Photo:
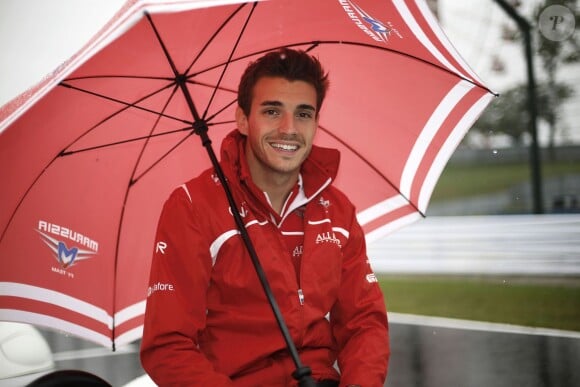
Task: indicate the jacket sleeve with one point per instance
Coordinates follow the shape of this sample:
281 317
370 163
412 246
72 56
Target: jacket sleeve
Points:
359 318
176 301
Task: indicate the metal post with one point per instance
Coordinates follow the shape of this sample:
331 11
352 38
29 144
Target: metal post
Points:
535 162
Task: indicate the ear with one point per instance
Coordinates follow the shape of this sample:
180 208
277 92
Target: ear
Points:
242 121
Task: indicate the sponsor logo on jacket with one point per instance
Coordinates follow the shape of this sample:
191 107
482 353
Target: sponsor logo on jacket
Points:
327 237
243 211
371 278
160 247
298 251
159 287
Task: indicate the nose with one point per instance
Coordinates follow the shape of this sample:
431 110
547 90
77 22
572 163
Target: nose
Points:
287 124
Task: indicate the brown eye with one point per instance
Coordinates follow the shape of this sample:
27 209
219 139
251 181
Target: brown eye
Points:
270 112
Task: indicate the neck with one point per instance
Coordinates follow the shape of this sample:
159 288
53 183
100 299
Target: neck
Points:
278 187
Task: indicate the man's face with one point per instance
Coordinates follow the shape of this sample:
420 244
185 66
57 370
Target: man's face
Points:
280 128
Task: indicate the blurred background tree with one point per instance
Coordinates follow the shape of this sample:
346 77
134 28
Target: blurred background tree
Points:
509 113
552 55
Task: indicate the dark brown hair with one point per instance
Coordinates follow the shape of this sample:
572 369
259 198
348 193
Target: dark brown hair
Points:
293 65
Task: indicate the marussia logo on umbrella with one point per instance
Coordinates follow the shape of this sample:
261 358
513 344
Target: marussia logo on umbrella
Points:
52 234
377 30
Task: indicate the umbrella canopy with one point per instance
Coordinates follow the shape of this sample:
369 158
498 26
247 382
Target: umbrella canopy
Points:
89 155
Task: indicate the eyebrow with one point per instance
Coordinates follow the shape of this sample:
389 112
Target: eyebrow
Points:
303 106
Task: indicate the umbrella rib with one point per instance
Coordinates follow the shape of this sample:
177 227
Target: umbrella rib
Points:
371 166
125 107
149 136
22 200
180 79
368 45
209 85
226 65
208 119
101 76
234 92
128 105
135 179
242 57
163 47
212 38
98 124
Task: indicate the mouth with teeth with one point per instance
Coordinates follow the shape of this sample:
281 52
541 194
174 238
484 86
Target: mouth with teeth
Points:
284 147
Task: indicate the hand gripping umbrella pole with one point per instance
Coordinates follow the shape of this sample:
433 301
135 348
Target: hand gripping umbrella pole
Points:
302 373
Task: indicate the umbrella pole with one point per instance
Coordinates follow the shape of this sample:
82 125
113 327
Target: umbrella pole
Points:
302 373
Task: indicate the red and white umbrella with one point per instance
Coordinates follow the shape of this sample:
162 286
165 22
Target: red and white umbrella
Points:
89 155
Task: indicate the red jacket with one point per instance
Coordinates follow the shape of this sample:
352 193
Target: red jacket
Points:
208 322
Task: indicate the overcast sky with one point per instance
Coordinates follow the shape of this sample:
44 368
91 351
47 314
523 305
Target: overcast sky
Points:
36 36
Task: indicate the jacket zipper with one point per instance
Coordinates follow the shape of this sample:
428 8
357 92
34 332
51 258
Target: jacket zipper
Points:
301 296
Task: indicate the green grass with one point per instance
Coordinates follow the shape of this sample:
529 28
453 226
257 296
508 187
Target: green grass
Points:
533 302
459 181
528 301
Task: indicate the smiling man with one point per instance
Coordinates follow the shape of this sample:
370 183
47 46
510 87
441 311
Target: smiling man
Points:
212 324
280 126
